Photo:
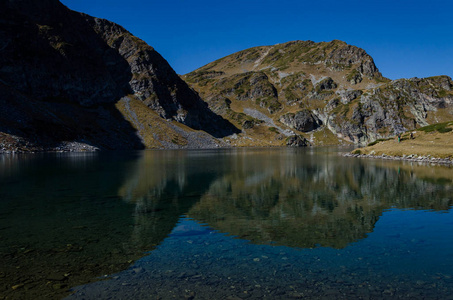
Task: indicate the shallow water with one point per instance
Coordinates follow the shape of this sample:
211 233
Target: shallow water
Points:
224 224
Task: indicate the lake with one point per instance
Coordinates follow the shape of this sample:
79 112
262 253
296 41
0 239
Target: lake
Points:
224 224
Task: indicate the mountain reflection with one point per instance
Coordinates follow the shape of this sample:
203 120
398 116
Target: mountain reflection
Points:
301 200
163 186
292 197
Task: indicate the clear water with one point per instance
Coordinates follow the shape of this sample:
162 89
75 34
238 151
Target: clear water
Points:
224 224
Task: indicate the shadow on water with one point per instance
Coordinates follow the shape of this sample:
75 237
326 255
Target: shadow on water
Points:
67 220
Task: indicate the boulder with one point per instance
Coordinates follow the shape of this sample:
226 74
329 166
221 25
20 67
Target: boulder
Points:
303 120
297 141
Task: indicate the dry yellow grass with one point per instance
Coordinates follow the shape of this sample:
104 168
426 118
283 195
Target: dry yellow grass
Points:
152 128
325 137
258 136
434 144
440 115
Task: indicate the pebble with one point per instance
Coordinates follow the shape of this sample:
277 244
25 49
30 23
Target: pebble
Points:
138 270
58 286
17 286
189 295
388 292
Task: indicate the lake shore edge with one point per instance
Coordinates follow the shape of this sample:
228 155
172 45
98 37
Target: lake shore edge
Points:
411 158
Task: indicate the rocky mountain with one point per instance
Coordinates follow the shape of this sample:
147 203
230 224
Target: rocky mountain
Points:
72 81
302 92
69 81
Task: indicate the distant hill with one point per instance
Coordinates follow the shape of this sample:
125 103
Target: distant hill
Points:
317 93
69 81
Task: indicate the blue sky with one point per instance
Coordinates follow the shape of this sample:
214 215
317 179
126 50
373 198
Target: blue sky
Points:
405 38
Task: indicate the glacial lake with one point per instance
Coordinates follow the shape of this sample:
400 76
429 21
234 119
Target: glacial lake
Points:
224 224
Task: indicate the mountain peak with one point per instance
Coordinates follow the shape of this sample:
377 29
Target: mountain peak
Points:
296 56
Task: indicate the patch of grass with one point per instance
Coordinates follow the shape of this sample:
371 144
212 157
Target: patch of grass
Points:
342 109
241 118
240 91
151 127
442 93
273 129
440 127
44 29
378 141
270 103
138 42
444 130
358 152
290 96
354 75
382 80
323 136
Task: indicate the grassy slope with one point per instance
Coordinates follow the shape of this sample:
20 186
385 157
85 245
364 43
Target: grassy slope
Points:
158 133
434 140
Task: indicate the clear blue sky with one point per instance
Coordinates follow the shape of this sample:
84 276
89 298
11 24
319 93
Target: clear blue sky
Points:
405 38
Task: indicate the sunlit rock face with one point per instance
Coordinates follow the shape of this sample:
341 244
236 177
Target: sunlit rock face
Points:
329 92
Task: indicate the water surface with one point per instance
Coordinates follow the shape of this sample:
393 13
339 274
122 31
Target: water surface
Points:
224 224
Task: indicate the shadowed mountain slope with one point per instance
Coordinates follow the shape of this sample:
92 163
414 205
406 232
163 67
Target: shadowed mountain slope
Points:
67 77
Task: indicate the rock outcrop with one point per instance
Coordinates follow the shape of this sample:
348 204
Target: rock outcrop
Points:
393 108
297 141
303 120
67 77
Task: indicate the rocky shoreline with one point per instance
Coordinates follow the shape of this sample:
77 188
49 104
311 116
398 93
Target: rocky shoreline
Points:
412 158
62 147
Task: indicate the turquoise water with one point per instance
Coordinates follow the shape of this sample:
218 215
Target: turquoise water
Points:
224 224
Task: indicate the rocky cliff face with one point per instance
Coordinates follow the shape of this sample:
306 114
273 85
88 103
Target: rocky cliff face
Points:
67 77
328 93
392 108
